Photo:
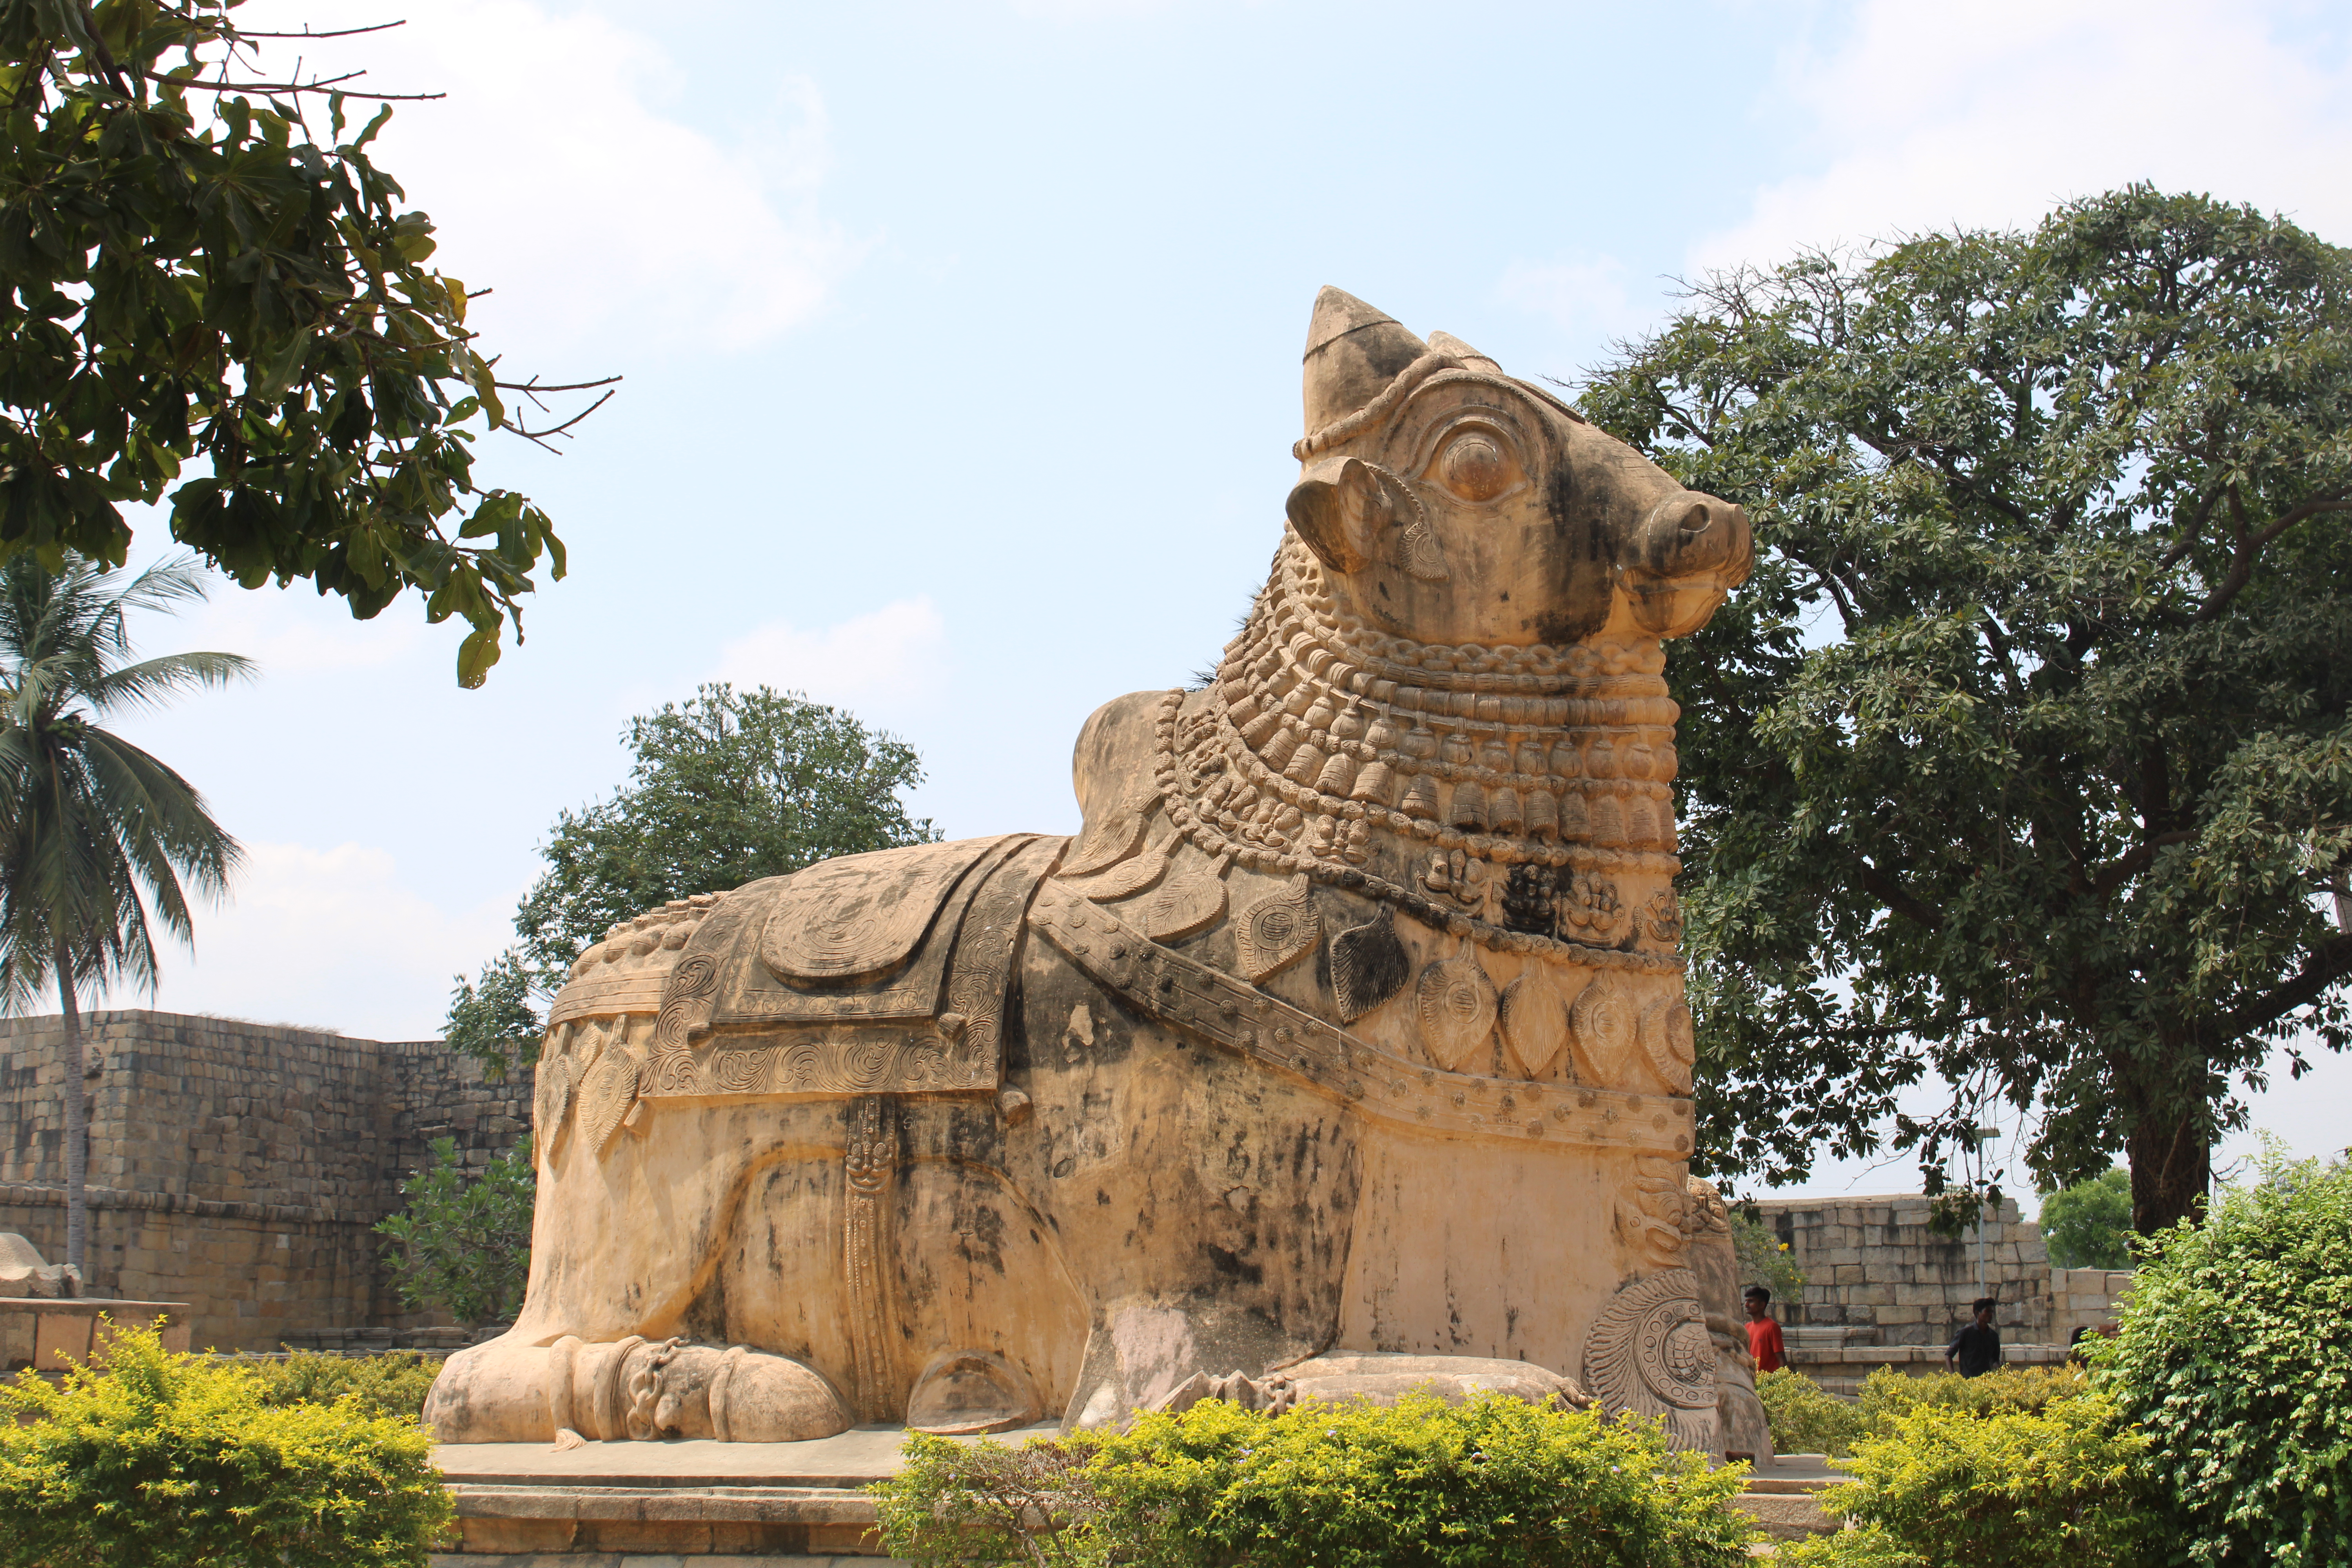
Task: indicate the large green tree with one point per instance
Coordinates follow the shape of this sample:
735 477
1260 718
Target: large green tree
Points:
727 787
194 274
93 830
2024 759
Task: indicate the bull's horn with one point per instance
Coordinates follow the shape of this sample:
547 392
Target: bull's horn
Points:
1353 351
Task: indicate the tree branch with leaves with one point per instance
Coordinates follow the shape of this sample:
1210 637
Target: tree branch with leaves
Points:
2026 755
211 297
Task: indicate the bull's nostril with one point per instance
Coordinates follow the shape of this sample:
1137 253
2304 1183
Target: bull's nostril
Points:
1694 520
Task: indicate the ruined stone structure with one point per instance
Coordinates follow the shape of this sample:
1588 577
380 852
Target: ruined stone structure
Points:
1876 1273
1352 1023
1875 1266
238 1167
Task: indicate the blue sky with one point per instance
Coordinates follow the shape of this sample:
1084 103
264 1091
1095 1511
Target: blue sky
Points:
962 348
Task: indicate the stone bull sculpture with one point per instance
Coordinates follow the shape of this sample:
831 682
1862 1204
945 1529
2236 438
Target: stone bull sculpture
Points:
1352 1022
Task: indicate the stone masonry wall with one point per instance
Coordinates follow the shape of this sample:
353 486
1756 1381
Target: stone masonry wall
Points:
2086 1298
238 1167
1872 1263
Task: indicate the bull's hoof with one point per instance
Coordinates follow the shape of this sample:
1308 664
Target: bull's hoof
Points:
970 1391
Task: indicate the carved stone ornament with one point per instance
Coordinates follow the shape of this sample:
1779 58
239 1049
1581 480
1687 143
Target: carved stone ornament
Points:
1382 1085
1369 965
1111 837
1130 876
1652 1210
1603 1025
1190 898
1662 918
863 914
1668 1043
1534 1018
1277 931
1649 1351
609 1096
1457 1006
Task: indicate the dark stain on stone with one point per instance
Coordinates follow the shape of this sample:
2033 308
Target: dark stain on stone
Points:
1232 1265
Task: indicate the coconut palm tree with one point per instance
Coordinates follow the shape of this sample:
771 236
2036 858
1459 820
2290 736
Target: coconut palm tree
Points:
93 830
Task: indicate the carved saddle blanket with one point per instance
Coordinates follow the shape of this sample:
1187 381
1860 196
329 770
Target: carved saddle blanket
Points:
875 973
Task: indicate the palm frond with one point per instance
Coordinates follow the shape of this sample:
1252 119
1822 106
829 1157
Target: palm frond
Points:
162 822
94 830
152 682
166 585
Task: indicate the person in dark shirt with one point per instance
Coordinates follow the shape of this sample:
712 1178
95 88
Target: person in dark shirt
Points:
1763 1334
1975 1349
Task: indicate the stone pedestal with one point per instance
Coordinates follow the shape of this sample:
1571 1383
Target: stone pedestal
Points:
648 1505
52 1335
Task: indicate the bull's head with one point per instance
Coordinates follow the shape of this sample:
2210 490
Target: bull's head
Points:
1451 503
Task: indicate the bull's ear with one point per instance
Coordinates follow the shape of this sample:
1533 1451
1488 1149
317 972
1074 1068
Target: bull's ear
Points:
1338 507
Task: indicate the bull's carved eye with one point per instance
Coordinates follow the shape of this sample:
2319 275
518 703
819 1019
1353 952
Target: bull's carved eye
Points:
1476 464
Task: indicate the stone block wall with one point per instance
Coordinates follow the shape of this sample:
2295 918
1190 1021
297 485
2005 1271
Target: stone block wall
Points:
2086 1298
1874 1264
238 1167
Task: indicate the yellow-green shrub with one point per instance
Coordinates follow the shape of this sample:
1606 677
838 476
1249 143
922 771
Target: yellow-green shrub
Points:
1492 1481
1805 1420
394 1384
1888 1393
152 1460
2060 1486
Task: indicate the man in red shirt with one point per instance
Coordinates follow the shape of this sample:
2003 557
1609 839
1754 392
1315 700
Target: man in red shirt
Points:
1763 1334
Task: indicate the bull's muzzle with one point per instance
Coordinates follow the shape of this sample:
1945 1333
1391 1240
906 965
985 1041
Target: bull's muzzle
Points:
1691 551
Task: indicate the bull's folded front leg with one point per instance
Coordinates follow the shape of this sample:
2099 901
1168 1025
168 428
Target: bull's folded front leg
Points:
572 1391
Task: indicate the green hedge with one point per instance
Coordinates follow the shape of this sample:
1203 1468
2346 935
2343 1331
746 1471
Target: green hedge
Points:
1489 1483
154 1459
1805 1420
394 1384
2235 1356
2065 1485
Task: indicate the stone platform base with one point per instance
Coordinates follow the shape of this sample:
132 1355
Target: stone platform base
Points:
49 1334
696 1500
714 1505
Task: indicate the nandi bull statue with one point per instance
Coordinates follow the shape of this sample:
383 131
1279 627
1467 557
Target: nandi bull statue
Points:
1352 1022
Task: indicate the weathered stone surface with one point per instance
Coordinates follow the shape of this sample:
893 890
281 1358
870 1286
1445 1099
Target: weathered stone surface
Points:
238 1167
1352 1022
24 1274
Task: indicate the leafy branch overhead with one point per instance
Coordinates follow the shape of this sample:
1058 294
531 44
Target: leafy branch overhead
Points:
193 280
2025 758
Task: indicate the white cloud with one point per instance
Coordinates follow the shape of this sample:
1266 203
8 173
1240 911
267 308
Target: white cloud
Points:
892 656
289 634
1927 116
1585 297
557 175
328 939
